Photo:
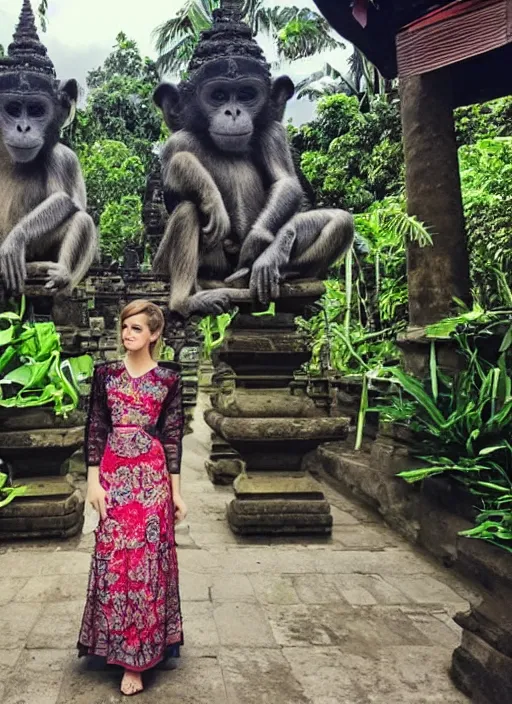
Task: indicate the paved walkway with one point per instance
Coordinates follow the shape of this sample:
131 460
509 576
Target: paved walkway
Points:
363 618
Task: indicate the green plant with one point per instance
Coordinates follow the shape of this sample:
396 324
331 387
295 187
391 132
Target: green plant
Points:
352 157
213 329
296 33
462 424
484 120
31 370
121 224
111 172
360 316
9 493
119 104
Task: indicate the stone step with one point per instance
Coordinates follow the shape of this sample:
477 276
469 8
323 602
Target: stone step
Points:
44 487
283 506
36 532
278 523
277 485
277 429
42 439
267 403
47 506
278 503
40 525
51 507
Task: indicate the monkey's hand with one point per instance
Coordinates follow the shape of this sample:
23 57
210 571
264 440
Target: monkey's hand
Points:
58 276
265 277
13 267
218 225
212 302
256 242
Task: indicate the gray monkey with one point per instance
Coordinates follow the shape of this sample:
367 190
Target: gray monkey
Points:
43 218
229 179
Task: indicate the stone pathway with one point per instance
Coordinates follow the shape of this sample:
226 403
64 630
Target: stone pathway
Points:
363 618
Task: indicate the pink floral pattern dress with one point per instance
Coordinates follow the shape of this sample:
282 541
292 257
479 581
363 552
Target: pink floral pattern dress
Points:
134 431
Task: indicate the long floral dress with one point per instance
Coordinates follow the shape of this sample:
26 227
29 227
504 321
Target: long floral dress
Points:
134 433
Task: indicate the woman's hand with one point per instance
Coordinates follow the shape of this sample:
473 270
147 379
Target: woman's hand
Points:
96 496
180 508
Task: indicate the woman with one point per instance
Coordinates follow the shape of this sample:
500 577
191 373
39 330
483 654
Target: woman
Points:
133 445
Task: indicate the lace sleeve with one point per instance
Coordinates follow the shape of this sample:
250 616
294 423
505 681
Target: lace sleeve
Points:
98 420
170 425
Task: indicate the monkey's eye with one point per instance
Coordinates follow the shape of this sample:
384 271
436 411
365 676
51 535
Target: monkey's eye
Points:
219 95
36 109
13 108
247 94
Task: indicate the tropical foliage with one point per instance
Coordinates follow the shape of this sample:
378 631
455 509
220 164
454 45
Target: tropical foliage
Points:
352 158
9 493
462 424
486 170
362 81
296 33
119 103
112 172
363 311
32 372
115 137
121 224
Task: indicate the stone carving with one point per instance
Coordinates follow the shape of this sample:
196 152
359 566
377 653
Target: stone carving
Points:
45 230
229 180
154 214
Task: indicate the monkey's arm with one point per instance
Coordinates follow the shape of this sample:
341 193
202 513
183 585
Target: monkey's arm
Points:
41 229
78 246
284 200
39 224
285 194
185 174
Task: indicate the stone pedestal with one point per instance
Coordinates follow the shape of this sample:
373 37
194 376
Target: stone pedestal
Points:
279 504
265 420
36 446
50 508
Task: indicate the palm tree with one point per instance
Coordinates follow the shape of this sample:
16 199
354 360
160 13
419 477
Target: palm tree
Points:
363 80
42 9
316 86
297 33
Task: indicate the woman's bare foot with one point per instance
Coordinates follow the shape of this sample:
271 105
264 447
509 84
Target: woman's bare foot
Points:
132 682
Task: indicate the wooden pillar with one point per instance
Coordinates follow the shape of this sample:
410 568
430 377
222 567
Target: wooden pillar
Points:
435 274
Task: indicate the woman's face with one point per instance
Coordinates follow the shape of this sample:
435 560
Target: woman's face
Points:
136 334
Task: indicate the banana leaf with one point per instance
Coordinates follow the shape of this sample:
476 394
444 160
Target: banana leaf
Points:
41 377
9 493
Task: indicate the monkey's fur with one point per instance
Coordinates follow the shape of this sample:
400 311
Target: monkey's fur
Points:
232 190
43 219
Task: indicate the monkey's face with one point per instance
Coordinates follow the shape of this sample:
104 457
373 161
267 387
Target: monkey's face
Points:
232 107
24 122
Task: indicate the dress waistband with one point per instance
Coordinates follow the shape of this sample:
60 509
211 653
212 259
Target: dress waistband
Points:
150 429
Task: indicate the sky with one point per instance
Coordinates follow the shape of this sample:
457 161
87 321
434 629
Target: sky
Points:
81 34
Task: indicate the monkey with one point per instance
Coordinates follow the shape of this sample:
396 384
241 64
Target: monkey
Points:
44 226
230 184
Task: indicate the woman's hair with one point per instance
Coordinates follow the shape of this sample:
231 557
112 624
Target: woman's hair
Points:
155 321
